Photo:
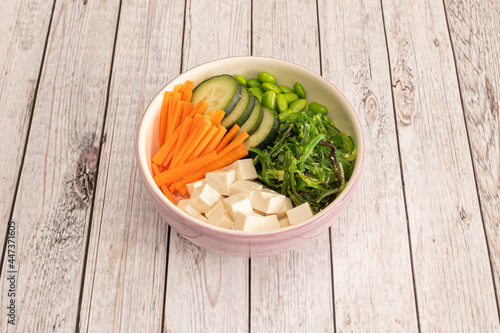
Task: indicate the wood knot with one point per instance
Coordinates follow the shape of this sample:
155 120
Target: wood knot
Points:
404 93
462 214
436 42
85 173
371 106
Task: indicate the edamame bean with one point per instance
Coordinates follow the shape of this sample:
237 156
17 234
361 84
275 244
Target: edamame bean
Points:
269 99
253 83
298 105
291 97
266 86
285 89
257 92
266 77
241 80
281 103
317 108
299 90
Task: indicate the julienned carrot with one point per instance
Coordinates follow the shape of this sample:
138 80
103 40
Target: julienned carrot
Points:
228 137
198 136
177 114
234 144
182 145
179 87
184 190
164 117
185 130
221 130
198 109
188 109
203 143
218 164
218 117
167 146
174 96
211 115
177 173
186 95
188 85
164 189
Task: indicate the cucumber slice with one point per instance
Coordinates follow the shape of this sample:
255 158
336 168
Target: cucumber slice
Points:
221 92
254 120
241 111
266 132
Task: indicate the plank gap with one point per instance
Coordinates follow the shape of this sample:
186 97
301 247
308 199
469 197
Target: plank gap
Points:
401 166
165 284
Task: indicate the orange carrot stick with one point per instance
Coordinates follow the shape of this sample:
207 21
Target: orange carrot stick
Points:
221 130
164 116
193 143
167 146
199 108
187 168
187 110
218 164
174 96
203 143
218 118
164 189
178 87
234 144
228 137
185 130
178 113
186 95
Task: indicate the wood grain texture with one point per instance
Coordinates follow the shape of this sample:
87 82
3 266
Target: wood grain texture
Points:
291 292
53 202
453 278
23 27
207 292
474 28
125 274
370 246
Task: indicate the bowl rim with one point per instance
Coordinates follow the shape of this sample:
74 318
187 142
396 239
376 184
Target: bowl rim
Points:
161 199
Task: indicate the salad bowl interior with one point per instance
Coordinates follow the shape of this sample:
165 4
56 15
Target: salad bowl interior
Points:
244 243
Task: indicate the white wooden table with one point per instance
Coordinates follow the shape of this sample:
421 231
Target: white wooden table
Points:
417 249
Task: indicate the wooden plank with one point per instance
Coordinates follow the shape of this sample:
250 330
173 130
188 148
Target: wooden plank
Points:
24 28
53 203
125 274
372 267
453 278
474 29
292 291
207 292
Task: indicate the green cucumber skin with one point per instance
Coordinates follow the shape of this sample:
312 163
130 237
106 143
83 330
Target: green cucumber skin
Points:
248 111
232 103
238 112
255 140
272 134
259 120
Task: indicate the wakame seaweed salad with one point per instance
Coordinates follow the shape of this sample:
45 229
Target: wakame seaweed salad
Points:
310 160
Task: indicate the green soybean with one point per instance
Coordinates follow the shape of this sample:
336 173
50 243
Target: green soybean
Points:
269 99
290 97
253 83
298 105
266 77
285 89
288 115
318 108
241 80
281 103
299 90
257 92
266 86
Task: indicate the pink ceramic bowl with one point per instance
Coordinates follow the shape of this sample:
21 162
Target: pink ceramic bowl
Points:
235 242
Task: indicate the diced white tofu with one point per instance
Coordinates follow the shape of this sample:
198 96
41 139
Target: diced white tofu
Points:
221 218
221 179
218 204
284 222
183 203
204 197
271 223
245 187
244 169
193 185
288 205
237 203
202 218
192 211
299 214
249 221
268 201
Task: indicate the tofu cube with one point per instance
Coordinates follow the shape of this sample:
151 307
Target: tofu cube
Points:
284 221
183 203
271 223
245 169
249 221
268 201
193 185
218 204
221 179
288 205
221 219
186 205
204 197
244 187
299 214
237 203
